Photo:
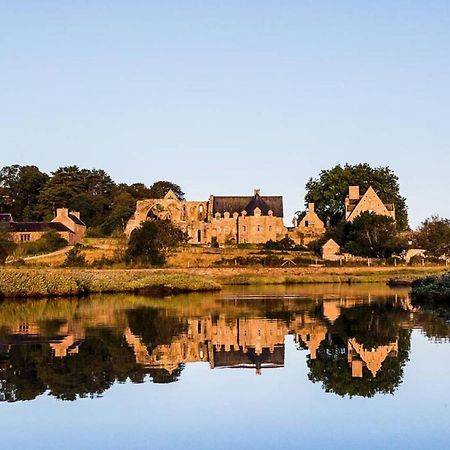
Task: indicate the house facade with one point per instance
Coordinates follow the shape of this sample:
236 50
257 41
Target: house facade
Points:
67 224
309 228
356 204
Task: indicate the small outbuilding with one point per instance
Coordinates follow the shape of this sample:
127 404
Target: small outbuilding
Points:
331 250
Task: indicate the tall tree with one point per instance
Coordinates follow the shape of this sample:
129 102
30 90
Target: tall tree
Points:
161 188
19 190
374 236
87 191
329 189
434 236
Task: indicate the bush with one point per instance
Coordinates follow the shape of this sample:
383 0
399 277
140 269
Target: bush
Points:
285 244
75 257
432 289
50 241
151 243
7 246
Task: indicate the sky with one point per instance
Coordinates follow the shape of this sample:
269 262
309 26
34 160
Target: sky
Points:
222 97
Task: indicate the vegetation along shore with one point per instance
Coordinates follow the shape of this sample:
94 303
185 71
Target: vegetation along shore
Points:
18 282
432 290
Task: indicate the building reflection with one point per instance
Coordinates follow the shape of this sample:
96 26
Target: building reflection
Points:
356 345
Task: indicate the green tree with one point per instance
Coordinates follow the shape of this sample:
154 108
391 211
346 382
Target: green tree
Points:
123 206
19 190
138 190
434 236
374 236
161 188
329 189
87 191
151 242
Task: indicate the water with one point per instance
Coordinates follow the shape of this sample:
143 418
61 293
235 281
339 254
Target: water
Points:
255 368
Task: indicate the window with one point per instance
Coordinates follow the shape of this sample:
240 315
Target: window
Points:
259 227
25 237
306 224
244 228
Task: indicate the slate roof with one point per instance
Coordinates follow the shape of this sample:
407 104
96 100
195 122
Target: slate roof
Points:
249 359
6 217
30 227
76 219
238 204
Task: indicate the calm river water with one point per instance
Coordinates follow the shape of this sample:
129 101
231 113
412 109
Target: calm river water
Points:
251 368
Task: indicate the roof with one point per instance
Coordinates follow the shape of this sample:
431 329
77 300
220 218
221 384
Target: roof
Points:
76 219
30 227
331 243
354 207
249 359
6 217
248 204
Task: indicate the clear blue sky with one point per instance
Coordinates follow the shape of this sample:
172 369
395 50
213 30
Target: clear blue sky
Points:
225 96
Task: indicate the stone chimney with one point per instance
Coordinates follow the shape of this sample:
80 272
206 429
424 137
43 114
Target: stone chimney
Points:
62 212
311 207
257 191
353 192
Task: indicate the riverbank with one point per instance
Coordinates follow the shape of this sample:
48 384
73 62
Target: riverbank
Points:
22 283
432 290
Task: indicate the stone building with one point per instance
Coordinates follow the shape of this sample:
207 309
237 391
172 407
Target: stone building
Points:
67 224
223 219
331 250
309 228
356 204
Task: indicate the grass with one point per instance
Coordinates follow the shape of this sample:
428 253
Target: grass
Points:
59 282
23 282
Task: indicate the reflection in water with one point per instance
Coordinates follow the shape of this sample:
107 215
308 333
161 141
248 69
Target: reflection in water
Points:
358 339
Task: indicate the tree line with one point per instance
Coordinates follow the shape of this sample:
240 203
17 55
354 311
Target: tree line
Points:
32 195
105 206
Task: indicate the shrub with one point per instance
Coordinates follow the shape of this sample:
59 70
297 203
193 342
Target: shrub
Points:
75 257
432 289
151 243
7 246
285 244
49 242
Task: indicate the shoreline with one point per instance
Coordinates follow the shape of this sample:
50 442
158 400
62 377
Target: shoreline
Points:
44 283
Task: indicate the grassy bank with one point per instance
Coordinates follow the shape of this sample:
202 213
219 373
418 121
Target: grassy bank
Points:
54 283
23 282
432 290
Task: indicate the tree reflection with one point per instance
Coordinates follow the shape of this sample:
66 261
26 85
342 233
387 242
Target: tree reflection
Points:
81 348
364 352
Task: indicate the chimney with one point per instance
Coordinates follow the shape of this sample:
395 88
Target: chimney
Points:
62 212
353 192
311 207
257 191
